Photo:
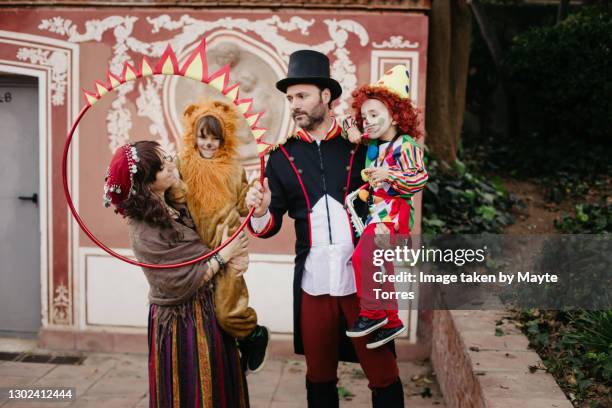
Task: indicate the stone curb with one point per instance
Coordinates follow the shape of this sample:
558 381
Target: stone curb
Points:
478 369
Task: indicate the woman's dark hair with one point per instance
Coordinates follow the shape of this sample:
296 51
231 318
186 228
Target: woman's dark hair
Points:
143 204
211 125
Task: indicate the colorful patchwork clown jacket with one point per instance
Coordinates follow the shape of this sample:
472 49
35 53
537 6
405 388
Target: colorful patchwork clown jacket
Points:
392 200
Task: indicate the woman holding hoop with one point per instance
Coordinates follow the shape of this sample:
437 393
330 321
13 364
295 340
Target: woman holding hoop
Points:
192 362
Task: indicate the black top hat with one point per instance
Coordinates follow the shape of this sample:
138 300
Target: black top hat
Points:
309 67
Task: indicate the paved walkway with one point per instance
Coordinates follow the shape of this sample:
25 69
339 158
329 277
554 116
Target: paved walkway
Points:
120 380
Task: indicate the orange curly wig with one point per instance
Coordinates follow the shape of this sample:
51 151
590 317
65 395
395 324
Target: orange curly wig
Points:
402 111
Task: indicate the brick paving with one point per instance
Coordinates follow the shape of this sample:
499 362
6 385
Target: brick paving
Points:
120 380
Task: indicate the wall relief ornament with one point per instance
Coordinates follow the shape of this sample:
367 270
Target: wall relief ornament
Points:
57 61
188 30
61 305
396 41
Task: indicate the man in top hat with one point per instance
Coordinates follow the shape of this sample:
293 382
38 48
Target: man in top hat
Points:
309 176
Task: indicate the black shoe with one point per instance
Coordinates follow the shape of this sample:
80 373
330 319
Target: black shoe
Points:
244 356
391 396
364 326
254 349
322 395
383 336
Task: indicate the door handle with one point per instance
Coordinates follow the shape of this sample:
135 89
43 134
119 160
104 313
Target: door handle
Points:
33 198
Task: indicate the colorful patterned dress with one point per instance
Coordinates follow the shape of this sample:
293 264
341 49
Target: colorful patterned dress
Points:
192 362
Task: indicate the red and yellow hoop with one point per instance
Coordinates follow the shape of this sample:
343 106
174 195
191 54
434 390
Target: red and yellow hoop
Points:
195 67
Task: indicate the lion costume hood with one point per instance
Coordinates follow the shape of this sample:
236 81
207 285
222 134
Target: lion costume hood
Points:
216 187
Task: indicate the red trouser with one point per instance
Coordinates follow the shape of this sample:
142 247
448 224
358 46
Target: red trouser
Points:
321 319
363 264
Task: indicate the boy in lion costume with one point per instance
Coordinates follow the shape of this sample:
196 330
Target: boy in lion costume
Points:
216 187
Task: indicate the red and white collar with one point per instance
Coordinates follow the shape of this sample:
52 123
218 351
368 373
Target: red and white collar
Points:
333 131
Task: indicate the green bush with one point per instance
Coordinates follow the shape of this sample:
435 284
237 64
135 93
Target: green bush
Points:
576 348
562 75
588 218
591 336
458 201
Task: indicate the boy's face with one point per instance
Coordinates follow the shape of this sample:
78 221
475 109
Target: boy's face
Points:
208 145
376 118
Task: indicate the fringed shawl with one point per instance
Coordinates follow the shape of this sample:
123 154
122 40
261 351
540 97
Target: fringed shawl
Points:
169 287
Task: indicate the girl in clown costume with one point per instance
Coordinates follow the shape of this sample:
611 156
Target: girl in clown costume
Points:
395 172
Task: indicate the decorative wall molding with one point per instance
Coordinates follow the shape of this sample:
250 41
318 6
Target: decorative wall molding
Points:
58 61
368 5
119 118
396 41
149 106
62 309
189 30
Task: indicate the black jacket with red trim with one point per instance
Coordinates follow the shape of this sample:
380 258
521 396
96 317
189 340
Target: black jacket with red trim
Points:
299 173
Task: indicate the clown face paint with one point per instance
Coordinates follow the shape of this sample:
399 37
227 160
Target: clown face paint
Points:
377 120
208 145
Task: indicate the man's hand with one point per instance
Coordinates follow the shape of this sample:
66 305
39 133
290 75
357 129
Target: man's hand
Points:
259 197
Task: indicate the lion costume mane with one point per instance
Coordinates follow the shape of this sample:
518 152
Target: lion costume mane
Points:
216 187
215 191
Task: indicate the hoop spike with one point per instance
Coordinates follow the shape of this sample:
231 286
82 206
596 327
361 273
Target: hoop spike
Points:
258 133
167 64
146 69
263 148
232 92
129 73
196 65
101 89
112 81
244 105
90 98
252 119
220 79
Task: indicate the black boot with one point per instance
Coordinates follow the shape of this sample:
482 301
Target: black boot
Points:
322 395
254 349
391 396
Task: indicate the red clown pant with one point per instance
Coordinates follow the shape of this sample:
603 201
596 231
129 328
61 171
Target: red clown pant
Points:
321 319
363 264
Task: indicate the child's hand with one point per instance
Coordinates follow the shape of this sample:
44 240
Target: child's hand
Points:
354 135
376 176
382 237
349 126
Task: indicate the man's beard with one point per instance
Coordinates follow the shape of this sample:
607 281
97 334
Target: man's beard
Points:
311 120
